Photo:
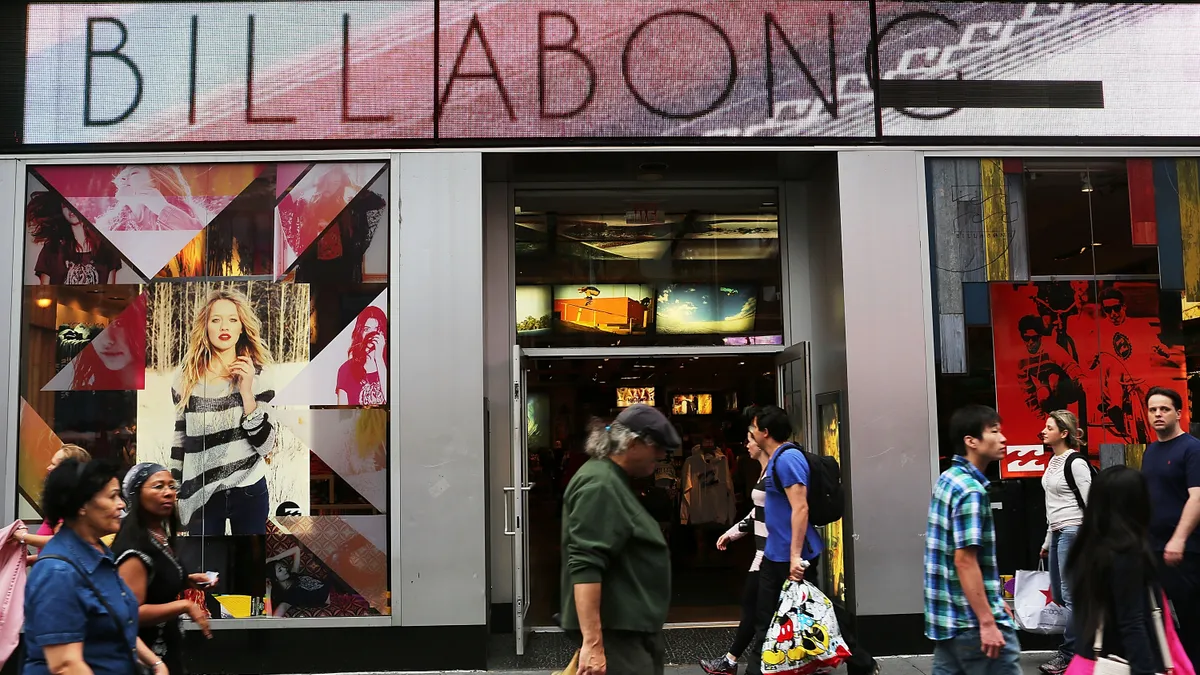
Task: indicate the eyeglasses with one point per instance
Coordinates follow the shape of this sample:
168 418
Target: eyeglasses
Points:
1111 309
1031 337
159 487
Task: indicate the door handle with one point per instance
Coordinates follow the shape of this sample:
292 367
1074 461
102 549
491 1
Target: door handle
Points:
528 486
508 532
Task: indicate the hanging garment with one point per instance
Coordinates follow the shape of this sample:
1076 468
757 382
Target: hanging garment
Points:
12 590
707 490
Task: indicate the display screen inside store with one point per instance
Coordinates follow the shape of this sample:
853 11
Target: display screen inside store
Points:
669 267
229 322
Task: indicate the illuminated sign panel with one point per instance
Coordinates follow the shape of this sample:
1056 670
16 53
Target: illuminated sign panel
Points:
167 72
495 69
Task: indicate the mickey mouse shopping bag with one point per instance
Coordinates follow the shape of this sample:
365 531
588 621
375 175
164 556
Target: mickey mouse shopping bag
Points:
804 636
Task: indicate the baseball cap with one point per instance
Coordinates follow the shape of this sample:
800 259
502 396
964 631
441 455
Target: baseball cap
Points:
649 423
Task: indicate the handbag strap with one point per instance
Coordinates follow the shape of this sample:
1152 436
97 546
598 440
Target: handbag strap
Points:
1164 648
99 596
1160 630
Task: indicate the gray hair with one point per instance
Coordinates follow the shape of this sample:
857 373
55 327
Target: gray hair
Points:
605 440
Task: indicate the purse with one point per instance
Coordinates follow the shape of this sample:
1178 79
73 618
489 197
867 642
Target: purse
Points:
1115 665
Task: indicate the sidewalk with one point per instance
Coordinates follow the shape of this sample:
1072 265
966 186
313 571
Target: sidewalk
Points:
889 665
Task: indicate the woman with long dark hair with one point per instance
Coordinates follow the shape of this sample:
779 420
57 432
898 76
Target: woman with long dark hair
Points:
362 379
1111 573
73 252
146 561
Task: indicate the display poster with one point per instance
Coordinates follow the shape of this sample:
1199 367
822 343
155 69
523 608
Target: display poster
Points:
829 419
1093 348
229 322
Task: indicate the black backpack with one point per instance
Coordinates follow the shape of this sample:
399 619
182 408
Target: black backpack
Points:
826 497
1070 476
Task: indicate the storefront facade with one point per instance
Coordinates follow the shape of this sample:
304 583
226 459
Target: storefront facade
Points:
337 172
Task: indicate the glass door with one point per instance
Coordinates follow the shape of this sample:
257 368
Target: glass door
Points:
519 492
794 380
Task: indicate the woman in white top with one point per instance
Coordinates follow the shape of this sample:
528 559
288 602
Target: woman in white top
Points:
1066 495
755 522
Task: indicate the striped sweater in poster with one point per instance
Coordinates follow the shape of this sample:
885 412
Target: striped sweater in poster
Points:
216 447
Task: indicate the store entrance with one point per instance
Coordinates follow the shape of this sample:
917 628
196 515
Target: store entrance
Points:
704 398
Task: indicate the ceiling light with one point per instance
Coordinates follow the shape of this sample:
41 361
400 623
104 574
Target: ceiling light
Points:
44 302
1087 182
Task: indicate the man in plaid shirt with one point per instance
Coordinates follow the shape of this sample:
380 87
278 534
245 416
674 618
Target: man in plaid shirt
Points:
964 613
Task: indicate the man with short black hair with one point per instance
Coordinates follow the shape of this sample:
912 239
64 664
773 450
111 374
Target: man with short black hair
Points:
964 612
1171 466
793 545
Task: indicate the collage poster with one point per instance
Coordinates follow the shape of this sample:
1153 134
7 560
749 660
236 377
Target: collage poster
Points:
1093 348
229 322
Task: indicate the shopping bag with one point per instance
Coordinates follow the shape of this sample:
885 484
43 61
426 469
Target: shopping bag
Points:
571 667
1182 665
1034 604
804 636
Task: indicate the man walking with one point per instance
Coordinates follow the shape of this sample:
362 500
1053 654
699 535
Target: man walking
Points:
793 545
964 613
1171 466
616 572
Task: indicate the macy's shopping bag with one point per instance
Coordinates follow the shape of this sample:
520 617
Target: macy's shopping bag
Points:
804 636
1034 604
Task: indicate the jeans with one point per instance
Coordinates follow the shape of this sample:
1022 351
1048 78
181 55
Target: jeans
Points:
1060 545
960 655
745 629
1182 586
771 577
246 509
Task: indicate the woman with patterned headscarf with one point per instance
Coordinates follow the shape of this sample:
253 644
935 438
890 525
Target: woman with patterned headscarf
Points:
147 562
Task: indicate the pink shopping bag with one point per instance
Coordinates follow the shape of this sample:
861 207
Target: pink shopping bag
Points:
1183 665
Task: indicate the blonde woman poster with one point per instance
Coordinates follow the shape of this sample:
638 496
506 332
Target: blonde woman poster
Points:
216 353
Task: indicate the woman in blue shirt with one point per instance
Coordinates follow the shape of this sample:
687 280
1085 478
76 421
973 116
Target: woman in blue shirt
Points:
80 618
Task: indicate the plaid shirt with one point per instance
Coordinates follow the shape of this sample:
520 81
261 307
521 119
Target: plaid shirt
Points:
960 516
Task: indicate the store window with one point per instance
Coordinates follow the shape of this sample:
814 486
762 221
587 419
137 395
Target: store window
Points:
1061 284
648 267
229 322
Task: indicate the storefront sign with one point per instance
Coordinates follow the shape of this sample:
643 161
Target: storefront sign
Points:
1024 461
425 69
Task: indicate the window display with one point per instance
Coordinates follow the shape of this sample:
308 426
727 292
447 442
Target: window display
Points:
230 322
1061 284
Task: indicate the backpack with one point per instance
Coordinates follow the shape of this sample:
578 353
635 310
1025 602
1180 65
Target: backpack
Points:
1070 476
826 497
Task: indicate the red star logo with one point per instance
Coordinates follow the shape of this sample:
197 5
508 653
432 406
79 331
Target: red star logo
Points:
1049 596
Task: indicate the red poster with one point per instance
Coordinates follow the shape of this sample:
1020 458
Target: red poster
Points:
1093 348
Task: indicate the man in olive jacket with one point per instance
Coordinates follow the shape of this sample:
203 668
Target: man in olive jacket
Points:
616 583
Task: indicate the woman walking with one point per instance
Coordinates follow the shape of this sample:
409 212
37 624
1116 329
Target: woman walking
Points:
80 617
755 522
1111 571
146 561
1067 481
